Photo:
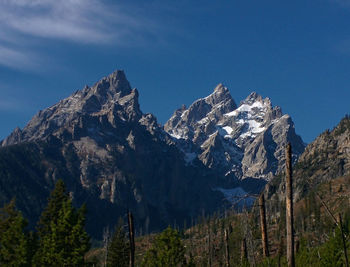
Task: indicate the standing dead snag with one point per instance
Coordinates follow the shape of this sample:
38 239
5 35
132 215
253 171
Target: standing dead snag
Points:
131 239
264 238
289 207
244 251
343 239
227 249
209 245
106 239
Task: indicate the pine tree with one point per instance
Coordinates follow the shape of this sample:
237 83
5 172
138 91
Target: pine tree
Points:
14 243
62 238
167 250
50 214
118 249
331 251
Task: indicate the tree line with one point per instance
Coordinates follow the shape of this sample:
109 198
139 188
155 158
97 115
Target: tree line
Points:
60 238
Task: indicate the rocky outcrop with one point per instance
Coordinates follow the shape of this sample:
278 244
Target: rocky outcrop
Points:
244 141
326 158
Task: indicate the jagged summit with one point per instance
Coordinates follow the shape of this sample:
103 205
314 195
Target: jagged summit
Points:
220 94
220 89
209 109
251 98
246 140
111 98
114 84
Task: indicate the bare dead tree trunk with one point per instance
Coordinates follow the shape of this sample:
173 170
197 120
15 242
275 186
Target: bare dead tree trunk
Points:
244 252
209 245
289 207
227 249
106 238
263 225
344 242
131 239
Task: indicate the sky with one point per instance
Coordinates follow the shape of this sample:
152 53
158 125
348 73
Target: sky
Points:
297 53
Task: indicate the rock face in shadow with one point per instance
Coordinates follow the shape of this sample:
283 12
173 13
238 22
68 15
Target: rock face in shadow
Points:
244 142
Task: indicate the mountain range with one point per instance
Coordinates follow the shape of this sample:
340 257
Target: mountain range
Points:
114 158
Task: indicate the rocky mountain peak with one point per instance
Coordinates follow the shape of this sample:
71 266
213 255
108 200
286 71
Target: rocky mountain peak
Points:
246 140
111 97
221 90
220 87
114 85
254 99
221 94
251 98
203 113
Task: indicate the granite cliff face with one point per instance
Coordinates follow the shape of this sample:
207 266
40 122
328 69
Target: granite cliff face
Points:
329 154
326 158
244 141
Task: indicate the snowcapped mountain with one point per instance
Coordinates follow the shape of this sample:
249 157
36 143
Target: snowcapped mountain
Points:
244 141
113 157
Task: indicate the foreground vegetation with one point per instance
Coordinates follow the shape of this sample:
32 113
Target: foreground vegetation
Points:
318 238
60 238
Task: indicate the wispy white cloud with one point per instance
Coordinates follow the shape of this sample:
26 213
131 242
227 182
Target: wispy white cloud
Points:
17 59
86 21
25 23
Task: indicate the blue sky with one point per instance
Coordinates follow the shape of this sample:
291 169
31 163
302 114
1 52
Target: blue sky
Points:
295 52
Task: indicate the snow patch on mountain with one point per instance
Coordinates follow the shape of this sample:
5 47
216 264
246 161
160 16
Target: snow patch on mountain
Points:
245 141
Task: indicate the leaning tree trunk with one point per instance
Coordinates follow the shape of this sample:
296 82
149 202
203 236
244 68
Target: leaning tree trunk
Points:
289 207
131 239
264 238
